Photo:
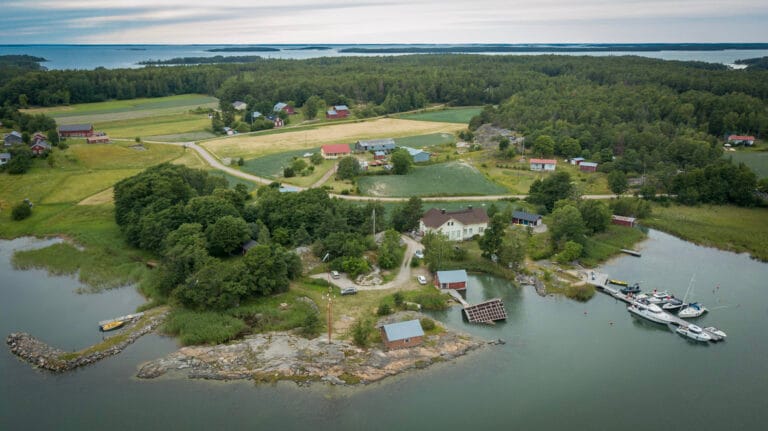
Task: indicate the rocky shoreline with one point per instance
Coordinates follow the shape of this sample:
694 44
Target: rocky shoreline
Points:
43 356
277 356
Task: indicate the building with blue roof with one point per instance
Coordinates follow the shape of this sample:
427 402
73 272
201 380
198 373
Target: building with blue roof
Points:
402 335
456 279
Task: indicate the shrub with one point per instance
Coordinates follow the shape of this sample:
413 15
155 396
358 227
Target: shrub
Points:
398 298
427 324
203 327
384 309
431 300
580 293
21 211
361 332
311 325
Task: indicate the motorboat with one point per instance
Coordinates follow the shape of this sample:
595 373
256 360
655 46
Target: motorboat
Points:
659 297
672 304
649 311
717 332
618 282
694 333
635 288
694 309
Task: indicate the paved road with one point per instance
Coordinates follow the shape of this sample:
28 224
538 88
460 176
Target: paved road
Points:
211 160
404 278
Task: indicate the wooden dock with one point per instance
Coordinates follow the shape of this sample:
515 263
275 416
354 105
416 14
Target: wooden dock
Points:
126 318
600 281
484 312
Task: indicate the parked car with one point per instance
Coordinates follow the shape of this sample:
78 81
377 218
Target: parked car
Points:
419 254
335 274
422 279
348 291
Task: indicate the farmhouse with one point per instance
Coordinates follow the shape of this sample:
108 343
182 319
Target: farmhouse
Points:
334 151
11 139
456 225
526 219
456 279
741 140
623 221
39 136
284 107
387 145
576 160
101 139
418 156
338 111
40 147
239 105
402 335
4 158
543 164
588 166
76 130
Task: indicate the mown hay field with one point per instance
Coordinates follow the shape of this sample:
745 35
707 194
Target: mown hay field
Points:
251 146
452 115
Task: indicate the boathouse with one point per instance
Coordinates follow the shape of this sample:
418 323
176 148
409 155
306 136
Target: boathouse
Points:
623 221
402 335
741 140
526 219
456 279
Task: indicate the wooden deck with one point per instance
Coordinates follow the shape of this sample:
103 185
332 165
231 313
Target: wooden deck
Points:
600 281
484 312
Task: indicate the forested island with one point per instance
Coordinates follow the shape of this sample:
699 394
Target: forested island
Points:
244 49
598 47
218 59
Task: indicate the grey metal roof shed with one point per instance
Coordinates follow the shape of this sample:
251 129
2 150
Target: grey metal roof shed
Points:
403 330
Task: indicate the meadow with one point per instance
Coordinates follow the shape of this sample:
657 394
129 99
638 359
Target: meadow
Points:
757 161
451 115
423 141
445 179
725 227
261 144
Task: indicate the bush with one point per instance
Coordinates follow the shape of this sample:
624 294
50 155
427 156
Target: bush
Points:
311 325
427 324
21 211
580 293
398 298
431 300
384 309
361 332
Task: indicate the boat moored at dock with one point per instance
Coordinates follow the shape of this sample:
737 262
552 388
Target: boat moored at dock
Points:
694 333
694 309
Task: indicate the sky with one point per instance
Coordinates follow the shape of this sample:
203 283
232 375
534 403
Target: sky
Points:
381 21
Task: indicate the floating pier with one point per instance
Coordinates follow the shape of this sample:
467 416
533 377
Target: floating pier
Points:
600 281
484 312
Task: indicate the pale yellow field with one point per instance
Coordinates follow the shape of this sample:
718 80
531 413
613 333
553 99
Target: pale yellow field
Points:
102 197
259 145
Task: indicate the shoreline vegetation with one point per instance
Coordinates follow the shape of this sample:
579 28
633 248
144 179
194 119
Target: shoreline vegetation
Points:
598 47
218 59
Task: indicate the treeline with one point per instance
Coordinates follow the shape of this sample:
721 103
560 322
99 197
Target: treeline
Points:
760 63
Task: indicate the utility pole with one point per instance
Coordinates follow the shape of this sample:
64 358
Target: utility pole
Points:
374 223
330 313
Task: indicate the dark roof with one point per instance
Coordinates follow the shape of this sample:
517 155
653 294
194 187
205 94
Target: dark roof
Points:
522 215
75 127
435 218
403 330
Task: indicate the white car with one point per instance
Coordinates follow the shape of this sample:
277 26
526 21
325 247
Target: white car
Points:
419 254
422 279
335 274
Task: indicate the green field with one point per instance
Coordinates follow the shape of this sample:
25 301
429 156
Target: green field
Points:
181 127
429 140
757 161
453 115
446 179
271 166
725 227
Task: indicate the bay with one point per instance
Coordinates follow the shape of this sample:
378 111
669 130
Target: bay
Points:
565 364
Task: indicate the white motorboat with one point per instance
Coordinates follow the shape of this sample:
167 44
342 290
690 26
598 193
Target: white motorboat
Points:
672 304
649 311
694 309
716 332
659 297
694 333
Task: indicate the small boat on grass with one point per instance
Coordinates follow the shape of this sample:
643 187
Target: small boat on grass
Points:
694 309
111 326
694 333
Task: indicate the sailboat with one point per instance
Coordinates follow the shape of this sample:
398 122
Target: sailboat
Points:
694 309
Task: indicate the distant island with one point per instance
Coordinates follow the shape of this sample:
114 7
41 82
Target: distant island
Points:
608 47
244 49
310 48
760 63
202 60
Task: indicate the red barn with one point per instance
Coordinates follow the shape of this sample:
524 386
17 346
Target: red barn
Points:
76 130
588 166
456 279
284 107
338 111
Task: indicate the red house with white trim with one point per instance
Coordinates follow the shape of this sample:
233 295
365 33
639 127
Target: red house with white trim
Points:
741 140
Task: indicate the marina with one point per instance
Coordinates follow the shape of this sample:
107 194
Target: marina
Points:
654 312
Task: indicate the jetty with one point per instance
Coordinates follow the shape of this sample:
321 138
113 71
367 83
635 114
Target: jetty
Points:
631 252
485 312
123 319
600 281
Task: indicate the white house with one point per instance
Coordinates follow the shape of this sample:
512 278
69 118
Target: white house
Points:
4 158
456 225
543 165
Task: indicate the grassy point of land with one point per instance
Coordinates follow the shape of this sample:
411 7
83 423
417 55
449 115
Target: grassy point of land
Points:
741 230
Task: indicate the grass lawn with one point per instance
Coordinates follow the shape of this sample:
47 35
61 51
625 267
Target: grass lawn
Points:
725 227
122 155
757 161
605 245
125 109
429 140
452 115
271 166
167 128
285 140
445 179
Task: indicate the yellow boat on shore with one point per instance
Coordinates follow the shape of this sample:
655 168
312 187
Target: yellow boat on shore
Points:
111 326
618 282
